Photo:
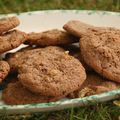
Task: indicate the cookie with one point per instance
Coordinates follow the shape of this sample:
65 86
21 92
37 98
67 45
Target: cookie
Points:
11 40
52 73
78 28
16 93
4 70
17 59
101 51
94 84
51 37
8 23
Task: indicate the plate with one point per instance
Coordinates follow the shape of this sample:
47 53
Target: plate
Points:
44 20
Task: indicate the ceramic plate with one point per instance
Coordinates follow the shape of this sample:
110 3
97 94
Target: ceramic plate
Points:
44 20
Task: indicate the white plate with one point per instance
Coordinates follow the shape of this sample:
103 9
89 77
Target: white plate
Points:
44 20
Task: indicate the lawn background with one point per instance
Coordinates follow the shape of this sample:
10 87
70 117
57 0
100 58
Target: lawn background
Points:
103 111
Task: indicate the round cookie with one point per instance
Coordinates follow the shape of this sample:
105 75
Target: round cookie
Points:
8 23
101 50
51 37
16 93
4 70
19 58
11 40
94 84
52 72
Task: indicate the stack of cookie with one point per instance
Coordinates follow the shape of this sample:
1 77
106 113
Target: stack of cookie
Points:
53 66
9 39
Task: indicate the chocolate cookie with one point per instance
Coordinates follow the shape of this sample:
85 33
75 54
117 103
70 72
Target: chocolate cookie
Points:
19 58
51 37
52 73
94 84
16 93
11 40
101 50
78 28
4 70
8 23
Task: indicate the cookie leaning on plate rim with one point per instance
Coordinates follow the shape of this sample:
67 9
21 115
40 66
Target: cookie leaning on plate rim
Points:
100 47
55 73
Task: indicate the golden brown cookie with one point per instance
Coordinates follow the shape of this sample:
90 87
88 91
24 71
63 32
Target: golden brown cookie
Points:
51 37
15 93
94 84
11 40
8 23
52 73
4 70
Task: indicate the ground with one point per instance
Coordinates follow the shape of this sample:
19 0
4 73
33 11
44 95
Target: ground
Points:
102 111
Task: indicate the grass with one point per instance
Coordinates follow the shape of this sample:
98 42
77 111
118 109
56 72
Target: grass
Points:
102 111
8 6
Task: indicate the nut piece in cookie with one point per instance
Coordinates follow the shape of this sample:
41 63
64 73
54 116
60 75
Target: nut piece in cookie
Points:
11 40
74 50
101 51
4 70
16 93
52 73
51 37
94 84
8 23
19 58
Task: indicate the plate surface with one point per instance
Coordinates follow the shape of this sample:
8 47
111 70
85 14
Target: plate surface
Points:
44 20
